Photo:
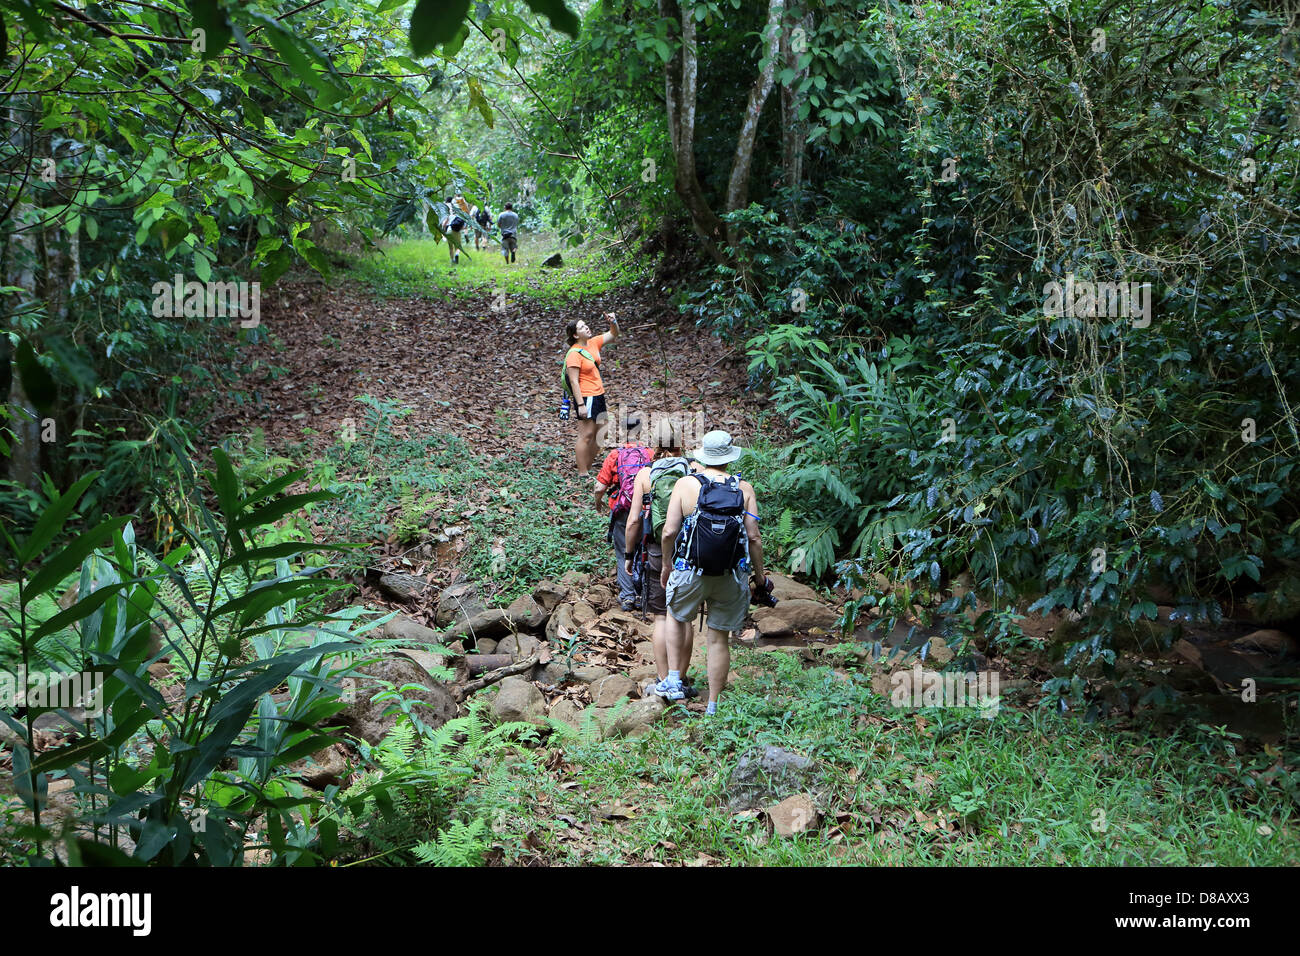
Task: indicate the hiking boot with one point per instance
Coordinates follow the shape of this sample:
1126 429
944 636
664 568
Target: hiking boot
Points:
669 690
628 605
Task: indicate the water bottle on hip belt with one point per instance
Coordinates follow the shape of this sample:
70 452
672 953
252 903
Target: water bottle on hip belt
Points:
564 409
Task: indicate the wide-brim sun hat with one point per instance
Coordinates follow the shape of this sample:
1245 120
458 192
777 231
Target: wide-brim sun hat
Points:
716 449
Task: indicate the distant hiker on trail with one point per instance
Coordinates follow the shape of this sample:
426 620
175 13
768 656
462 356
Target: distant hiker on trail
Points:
711 529
583 383
484 219
508 223
651 493
452 226
616 476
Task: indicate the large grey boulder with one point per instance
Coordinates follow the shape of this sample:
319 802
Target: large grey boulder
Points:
566 711
518 646
403 587
526 613
553 672
519 699
773 626
561 620
609 691
634 719
402 628
788 589
457 604
493 623
767 774
804 615
589 673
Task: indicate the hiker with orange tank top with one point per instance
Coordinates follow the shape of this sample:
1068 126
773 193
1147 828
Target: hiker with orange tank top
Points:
582 377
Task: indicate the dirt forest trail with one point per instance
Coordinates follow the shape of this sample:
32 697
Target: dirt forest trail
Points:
488 376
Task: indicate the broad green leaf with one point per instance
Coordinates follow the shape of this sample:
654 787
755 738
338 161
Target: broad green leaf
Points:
434 22
64 562
561 17
50 523
210 17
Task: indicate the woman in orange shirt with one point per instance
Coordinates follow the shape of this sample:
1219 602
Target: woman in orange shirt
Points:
585 383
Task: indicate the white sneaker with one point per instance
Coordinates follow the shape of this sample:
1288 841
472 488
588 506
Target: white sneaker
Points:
669 689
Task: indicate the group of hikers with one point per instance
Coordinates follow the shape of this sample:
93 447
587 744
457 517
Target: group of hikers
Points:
683 526
459 216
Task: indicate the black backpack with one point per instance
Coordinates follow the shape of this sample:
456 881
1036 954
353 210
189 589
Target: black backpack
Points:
712 539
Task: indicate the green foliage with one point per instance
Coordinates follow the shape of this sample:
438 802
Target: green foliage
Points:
185 778
460 844
525 524
1017 788
946 424
277 138
419 783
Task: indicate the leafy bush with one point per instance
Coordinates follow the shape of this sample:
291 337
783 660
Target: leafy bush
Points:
184 779
947 424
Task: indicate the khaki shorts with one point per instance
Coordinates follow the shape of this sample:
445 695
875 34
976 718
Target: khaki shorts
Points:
726 594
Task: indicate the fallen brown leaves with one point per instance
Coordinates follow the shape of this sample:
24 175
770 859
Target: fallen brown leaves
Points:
461 368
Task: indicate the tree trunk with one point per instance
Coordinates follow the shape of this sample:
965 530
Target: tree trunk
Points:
63 272
20 261
794 131
681 74
738 185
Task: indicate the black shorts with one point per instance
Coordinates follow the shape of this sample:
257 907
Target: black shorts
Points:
594 406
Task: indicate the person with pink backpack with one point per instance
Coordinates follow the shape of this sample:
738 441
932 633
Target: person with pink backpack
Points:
616 477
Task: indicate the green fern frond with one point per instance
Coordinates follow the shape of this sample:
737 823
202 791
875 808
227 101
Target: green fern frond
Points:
459 844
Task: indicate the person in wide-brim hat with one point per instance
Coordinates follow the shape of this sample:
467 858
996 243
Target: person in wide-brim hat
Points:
708 568
716 449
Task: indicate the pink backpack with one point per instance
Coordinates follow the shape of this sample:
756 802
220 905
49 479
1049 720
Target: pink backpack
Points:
628 463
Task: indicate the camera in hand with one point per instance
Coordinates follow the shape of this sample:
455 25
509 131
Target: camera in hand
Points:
762 594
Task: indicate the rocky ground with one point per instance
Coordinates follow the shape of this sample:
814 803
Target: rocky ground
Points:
567 651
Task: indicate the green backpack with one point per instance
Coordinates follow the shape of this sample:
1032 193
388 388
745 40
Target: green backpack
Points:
663 475
564 369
